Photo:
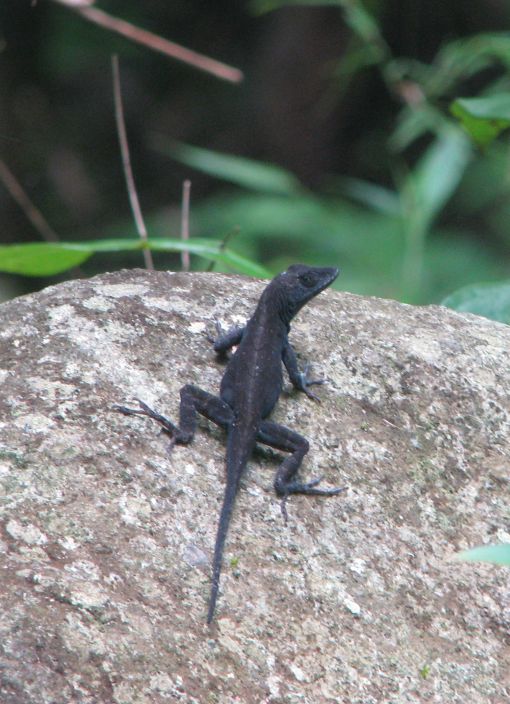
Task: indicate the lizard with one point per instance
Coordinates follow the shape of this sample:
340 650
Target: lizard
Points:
249 390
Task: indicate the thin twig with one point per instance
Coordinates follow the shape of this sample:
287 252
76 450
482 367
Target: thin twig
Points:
33 214
31 211
186 188
126 162
155 42
223 244
232 233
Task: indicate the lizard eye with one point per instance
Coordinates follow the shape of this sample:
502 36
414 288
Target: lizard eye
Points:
307 280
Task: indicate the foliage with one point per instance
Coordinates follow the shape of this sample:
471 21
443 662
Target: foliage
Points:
483 118
245 173
430 218
496 554
46 259
489 300
384 238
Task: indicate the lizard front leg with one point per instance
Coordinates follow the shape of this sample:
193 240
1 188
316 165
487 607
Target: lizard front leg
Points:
193 401
298 379
226 339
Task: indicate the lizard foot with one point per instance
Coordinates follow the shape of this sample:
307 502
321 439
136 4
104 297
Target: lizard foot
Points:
306 382
306 488
310 488
219 332
177 436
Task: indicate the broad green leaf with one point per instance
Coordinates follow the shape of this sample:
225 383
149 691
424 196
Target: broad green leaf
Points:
363 24
496 554
413 123
247 173
107 245
45 259
451 261
212 250
462 58
485 186
438 173
304 227
491 300
491 107
366 245
40 259
377 197
483 118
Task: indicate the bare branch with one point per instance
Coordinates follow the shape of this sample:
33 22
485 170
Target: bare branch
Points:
154 42
33 214
223 244
126 162
186 188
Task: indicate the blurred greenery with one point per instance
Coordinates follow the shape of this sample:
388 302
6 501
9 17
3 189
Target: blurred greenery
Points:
483 118
46 259
497 554
489 300
365 135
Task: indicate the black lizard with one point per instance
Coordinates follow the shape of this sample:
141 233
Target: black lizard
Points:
249 390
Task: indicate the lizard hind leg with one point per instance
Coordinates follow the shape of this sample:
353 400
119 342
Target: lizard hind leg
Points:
286 483
146 410
193 401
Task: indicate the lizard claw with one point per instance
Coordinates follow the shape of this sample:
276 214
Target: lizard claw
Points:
306 382
308 488
166 426
311 382
219 333
313 482
311 395
171 444
127 411
283 508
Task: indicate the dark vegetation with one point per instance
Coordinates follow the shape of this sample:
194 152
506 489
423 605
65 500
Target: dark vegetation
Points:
375 133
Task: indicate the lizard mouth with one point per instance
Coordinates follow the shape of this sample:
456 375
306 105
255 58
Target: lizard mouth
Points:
325 276
330 274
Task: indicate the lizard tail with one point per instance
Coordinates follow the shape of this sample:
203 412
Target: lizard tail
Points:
221 535
238 453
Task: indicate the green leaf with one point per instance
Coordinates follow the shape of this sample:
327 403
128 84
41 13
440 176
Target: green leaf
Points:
424 671
483 118
247 173
463 58
491 300
376 197
304 227
45 259
212 250
496 554
413 123
452 260
363 24
365 244
485 187
40 259
438 174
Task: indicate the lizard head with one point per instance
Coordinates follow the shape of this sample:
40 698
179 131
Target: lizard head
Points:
298 285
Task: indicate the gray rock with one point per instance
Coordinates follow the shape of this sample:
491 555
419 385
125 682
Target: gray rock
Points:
106 539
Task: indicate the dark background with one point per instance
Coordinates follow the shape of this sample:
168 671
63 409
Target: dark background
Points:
300 107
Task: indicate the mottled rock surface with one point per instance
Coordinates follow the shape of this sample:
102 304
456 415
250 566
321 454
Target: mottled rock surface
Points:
106 539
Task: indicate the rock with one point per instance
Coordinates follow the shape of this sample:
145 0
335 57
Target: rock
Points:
106 539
